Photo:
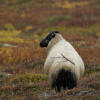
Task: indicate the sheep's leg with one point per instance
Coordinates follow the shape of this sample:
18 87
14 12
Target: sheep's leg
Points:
64 79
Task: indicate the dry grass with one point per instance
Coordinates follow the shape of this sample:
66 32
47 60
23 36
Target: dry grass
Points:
23 25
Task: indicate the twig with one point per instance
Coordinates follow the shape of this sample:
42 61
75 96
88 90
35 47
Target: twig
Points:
68 59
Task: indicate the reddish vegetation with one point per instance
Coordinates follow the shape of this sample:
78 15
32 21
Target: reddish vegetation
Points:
28 57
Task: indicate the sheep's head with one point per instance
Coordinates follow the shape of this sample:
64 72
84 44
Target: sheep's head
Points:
48 38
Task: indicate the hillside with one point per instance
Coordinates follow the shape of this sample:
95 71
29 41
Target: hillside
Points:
23 23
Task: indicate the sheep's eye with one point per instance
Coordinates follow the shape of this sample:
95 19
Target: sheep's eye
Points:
53 35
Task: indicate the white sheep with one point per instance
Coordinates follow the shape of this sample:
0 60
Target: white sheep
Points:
63 64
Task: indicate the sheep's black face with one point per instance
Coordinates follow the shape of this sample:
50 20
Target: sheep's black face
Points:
48 38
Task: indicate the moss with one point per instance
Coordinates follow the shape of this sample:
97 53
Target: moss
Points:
53 19
67 4
93 69
93 31
26 1
29 78
2 1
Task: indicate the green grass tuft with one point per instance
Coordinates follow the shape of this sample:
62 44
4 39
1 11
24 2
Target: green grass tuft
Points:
28 78
53 19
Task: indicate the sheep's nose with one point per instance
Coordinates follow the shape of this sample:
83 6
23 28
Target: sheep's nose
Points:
43 44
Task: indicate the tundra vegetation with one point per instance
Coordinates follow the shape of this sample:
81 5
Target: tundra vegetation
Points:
23 23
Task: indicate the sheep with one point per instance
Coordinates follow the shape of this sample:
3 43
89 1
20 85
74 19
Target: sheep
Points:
63 64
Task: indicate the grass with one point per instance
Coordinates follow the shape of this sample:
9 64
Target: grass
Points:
55 19
29 78
1 1
24 23
92 70
67 4
92 31
26 83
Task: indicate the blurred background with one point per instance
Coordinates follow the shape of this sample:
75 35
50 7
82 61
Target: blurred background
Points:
24 23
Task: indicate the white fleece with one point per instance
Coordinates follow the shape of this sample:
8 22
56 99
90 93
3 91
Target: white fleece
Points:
63 55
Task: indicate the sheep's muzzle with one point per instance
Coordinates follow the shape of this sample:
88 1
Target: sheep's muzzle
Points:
44 43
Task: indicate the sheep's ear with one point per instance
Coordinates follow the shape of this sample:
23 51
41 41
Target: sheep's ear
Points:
56 31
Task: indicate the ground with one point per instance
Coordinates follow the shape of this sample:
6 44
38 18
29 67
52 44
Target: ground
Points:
23 23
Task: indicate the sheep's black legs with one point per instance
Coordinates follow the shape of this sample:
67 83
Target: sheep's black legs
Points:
64 79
